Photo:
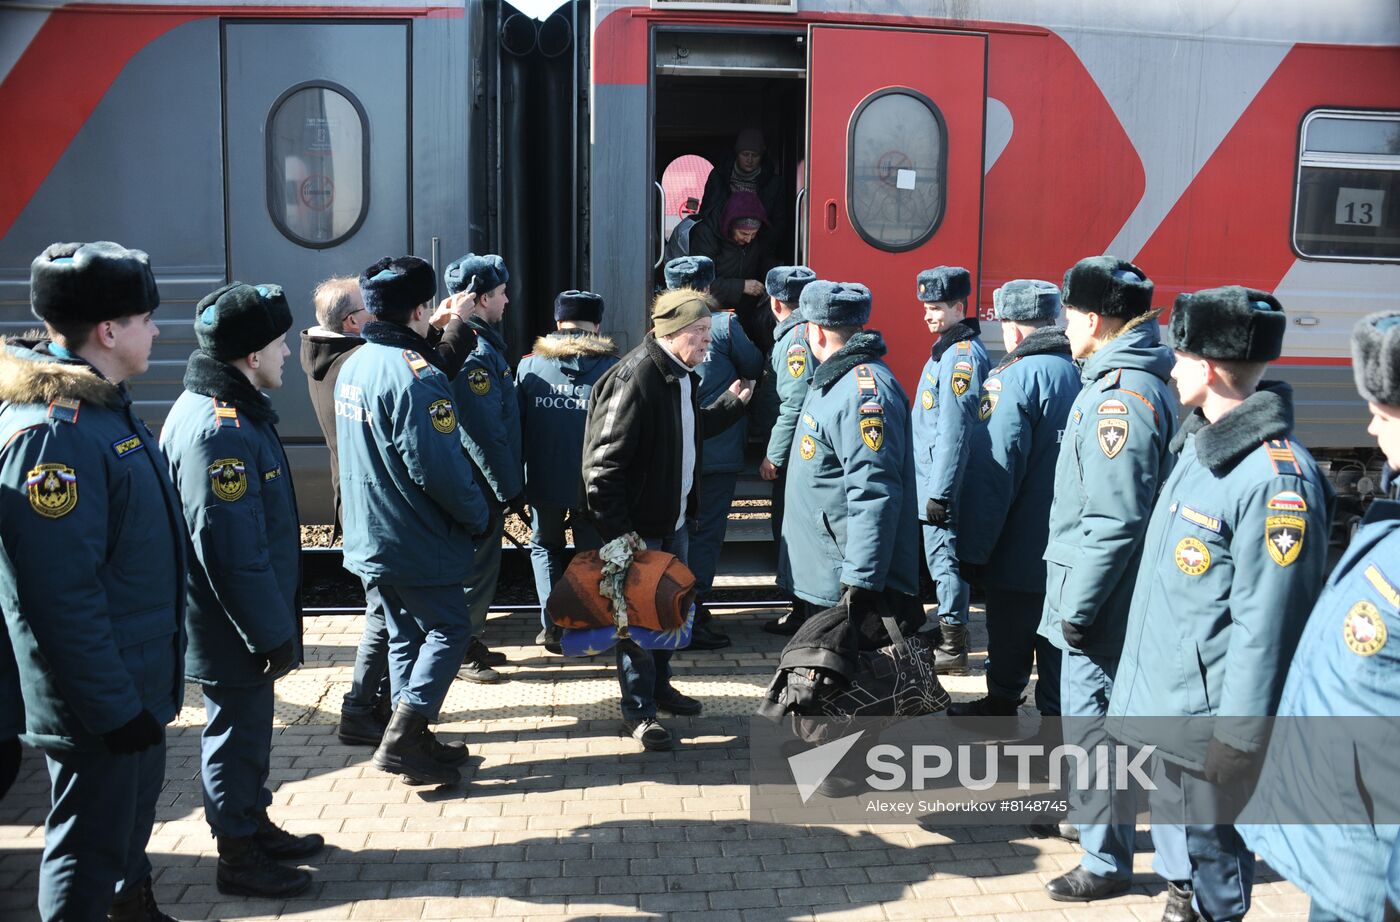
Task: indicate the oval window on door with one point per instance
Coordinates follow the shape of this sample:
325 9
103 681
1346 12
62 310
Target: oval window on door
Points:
317 164
895 169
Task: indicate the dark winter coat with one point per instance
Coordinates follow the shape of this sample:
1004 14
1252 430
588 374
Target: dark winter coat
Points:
768 186
733 265
322 354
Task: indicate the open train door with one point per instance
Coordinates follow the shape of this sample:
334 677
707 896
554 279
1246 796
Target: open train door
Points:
894 167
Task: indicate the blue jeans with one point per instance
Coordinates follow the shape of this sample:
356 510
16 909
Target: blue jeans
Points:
716 493
941 556
480 588
1221 865
642 676
235 752
429 631
1013 645
549 554
95 836
371 676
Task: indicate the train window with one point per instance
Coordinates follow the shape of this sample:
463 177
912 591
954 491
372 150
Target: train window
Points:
896 151
317 164
1348 186
683 181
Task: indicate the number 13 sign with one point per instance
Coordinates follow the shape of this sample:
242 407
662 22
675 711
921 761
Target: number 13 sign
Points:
1359 206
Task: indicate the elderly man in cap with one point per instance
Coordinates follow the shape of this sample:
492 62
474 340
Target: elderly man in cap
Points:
324 348
792 367
1232 562
851 524
1006 493
485 391
1348 665
943 417
554 387
641 464
242 616
401 460
98 646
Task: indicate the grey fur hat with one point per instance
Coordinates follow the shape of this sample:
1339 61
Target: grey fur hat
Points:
1109 286
473 273
1021 300
1375 353
397 285
786 282
696 272
237 319
1228 324
91 282
944 284
835 304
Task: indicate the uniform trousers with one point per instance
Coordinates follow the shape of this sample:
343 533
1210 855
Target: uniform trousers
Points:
716 493
480 588
95 836
370 678
1222 866
642 675
429 630
549 554
940 553
235 752
1013 645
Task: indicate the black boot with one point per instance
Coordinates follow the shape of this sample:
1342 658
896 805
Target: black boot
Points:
280 844
987 706
406 750
705 634
446 753
246 870
1179 908
951 656
139 906
360 726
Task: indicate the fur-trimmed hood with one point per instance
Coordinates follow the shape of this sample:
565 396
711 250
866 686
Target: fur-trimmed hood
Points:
576 352
29 374
1137 345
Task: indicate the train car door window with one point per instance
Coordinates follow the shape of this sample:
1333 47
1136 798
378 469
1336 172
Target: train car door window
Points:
683 181
1348 186
317 164
895 169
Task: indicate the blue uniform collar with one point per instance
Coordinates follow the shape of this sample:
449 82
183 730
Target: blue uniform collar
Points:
788 323
1264 415
208 376
969 328
487 332
1048 341
865 346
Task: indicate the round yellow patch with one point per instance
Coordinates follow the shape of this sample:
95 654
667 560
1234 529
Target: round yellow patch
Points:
807 448
926 398
1192 557
1364 629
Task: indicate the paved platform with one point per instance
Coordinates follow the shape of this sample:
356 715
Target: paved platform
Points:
562 819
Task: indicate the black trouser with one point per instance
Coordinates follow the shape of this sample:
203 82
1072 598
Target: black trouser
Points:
1013 645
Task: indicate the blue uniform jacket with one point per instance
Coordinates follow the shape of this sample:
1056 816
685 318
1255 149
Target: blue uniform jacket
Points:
410 497
1115 458
490 413
850 517
732 355
228 466
11 697
1006 491
554 385
1346 666
792 373
945 413
92 574
1232 563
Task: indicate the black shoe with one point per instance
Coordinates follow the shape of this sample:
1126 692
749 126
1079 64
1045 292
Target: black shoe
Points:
280 844
360 727
549 639
785 626
246 870
454 753
986 706
652 736
406 751
702 638
678 704
951 656
1081 886
706 619
482 655
1067 831
1179 908
139 906
479 673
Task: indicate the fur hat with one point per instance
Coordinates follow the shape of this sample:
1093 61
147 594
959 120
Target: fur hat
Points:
1026 300
944 284
1375 352
678 309
238 319
91 282
835 304
474 273
1109 286
578 305
397 285
696 272
786 282
1229 324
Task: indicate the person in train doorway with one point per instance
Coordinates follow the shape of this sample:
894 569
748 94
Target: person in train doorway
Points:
642 450
851 525
340 313
1347 665
554 385
742 255
401 460
791 371
1232 562
98 651
1112 464
943 416
747 169
731 356
485 391
242 612
1005 495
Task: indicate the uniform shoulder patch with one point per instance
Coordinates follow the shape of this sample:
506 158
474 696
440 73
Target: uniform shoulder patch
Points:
1281 456
963 345
1283 536
926 399
871 406
228 478
1208 522
988 401
65 409
479 381
962 377
1364 629
872 432
415 362
1385 587
1113 407
53 490
443 416
1288 501
124 447
225 415
796 360
274 474
1113 435
865 381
